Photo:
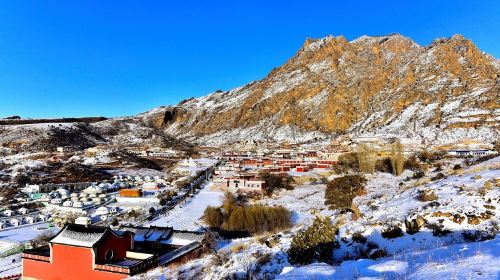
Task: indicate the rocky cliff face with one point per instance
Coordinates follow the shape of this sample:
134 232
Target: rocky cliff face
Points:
387 85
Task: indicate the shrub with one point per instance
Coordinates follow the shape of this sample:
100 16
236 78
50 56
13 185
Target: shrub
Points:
457 167
438 176
42 239
418 175
429 157
213 217
383 165
315 244
276 182
346 161
412 164
426 195
247 218
392 231
358 237
239 247
477 235
438 229
342 190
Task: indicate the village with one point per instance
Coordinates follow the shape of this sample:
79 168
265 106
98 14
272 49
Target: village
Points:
162 212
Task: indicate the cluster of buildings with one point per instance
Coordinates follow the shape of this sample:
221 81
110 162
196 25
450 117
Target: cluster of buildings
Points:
102 150
14 218
241 169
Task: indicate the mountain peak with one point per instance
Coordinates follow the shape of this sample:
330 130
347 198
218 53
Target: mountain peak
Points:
375 84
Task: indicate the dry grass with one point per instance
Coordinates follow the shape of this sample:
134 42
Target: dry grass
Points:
239 247
304 179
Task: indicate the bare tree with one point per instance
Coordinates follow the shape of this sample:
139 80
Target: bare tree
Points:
397 158
367 157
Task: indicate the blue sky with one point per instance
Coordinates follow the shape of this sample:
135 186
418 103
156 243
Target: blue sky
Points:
115 58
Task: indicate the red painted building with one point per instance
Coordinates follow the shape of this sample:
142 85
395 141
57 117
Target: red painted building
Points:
79 252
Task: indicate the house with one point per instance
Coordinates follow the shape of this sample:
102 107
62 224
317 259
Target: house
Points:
90 252
67 203
83 220
8 213
103 210
172 245
56 201
66 149
302 169
15 222
246 183
254 185
77 204
30 220
473 153
113 209
81 252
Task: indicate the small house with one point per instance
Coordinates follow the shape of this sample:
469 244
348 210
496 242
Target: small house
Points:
8 213
113 210
56 201
83 221
15 222
77 204
30 220
103 210
67 203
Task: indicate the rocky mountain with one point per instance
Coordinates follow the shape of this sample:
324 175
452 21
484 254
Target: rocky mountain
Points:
384 85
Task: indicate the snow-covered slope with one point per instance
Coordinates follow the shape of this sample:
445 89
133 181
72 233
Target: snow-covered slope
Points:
459 238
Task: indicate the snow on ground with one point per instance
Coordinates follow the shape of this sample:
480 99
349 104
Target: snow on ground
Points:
304 201
24 233
480 260
422 255
186 216
6 245
462 204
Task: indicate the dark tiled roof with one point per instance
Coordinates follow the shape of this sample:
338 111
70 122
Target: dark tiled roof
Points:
188 235
173 255
150 234
78 235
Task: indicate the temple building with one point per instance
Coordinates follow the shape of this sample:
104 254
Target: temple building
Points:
91 252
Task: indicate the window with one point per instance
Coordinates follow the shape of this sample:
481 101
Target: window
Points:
109 254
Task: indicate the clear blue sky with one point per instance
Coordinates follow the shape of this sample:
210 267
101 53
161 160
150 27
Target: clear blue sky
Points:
115 58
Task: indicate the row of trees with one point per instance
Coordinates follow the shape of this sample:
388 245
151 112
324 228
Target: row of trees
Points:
234 216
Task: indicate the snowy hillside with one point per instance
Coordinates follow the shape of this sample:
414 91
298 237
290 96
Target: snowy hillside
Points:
458 238
387 85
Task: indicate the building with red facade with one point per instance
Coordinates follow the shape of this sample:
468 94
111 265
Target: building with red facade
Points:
90 252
